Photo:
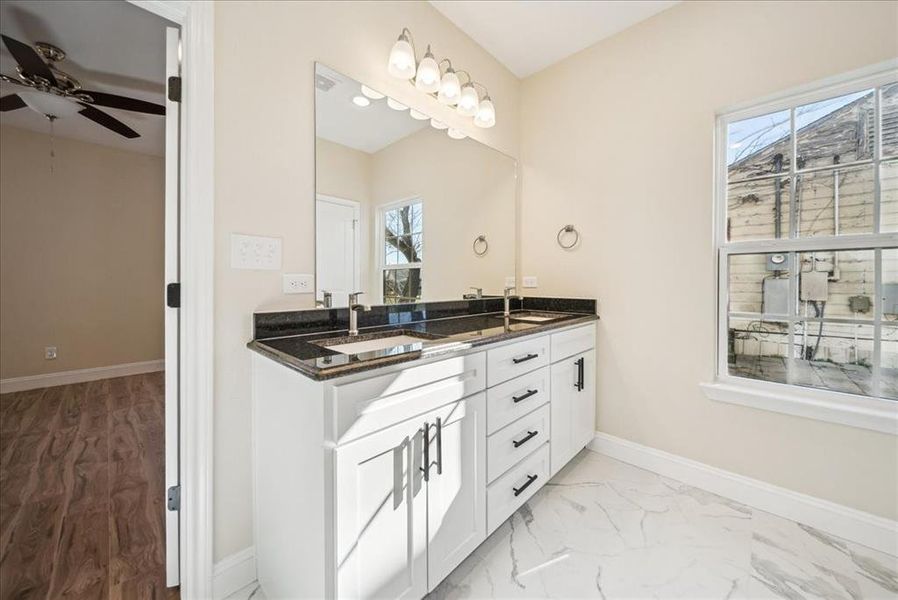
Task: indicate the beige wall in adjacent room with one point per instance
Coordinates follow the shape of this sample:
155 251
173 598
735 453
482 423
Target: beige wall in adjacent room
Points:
618 140
81 254
264 173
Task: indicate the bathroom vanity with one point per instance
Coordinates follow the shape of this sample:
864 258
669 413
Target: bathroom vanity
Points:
377 473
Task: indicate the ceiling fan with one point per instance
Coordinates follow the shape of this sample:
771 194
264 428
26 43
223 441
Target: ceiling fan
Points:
54 93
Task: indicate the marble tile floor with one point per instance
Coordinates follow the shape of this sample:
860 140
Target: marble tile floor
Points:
605 529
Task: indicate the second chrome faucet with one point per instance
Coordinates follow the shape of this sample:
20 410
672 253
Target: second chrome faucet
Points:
354 308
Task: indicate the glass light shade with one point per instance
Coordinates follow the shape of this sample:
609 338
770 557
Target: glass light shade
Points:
486 114
371 93
438 124
450 88
402 60
418 115
428 78
455 134
50 105
360 101
395 105
468 102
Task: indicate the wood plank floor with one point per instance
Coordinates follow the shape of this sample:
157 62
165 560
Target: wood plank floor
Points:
81 491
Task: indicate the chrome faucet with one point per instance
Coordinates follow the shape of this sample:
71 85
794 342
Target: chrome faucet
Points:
354 308
327 299
509 297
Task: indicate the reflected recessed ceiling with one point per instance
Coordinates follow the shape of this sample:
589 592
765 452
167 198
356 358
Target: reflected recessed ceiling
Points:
529 36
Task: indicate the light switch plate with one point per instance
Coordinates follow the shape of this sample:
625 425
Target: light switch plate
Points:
255 252
530 282
50 353
295 283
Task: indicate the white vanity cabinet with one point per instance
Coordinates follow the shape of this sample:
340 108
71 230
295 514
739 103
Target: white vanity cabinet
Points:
378 484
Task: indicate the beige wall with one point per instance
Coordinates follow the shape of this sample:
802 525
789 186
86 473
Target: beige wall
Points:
618 139
81 254
264 173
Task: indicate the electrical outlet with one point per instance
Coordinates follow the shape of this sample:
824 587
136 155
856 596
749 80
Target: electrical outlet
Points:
298 284
50 353
510 282
255 252
530 282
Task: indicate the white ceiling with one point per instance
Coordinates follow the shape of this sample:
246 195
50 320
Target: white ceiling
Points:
112 46
369 128
528 36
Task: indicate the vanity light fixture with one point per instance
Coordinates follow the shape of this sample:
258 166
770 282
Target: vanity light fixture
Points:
360 101
373 95
396 105
417 115
440 79
438 124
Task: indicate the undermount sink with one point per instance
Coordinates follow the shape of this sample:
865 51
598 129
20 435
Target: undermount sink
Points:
373 342
535 317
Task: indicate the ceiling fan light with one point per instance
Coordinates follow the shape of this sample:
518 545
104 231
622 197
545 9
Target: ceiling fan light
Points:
486 114
50 105
428 78
396 105
402 59
418 115
455 134
372 94
450 88
468 102
438 124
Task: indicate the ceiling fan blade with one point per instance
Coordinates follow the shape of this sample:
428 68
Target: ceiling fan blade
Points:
124 103
11 102
28 58
108 121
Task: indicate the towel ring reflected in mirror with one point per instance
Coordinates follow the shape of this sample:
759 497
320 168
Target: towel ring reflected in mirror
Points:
568 229
480 245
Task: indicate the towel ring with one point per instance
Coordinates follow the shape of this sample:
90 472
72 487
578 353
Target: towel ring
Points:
481 239
568 229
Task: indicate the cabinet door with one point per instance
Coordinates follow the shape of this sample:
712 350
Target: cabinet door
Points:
456 493
573 406
381 515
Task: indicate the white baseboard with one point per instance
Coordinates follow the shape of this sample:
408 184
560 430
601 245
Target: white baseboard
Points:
33 382
233 573
854 525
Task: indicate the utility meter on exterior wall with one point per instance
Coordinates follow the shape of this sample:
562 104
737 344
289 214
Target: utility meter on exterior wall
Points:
778 262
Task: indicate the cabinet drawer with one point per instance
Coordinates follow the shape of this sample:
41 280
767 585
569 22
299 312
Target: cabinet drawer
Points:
515 398
516 359
366 406
574 341
509 492
509 445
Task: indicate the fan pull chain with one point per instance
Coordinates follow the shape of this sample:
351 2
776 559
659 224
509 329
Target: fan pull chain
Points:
52 144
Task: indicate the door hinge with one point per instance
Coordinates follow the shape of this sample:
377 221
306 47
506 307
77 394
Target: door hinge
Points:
174 89
174 498
173 295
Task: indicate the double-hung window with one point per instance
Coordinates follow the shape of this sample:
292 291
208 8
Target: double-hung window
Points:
402 251
807 242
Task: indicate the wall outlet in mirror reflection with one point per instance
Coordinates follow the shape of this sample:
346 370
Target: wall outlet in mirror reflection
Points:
295 283
530 282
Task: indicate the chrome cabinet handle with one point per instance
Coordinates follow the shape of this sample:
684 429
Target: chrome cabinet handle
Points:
520 490
426 467
579 384
530 435
529 393
524 358
439 446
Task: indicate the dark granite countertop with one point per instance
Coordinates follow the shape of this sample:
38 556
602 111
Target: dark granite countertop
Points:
305 354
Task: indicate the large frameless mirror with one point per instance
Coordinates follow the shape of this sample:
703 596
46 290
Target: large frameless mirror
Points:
404 212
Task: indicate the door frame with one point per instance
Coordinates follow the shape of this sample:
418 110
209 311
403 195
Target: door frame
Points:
197 186
357 207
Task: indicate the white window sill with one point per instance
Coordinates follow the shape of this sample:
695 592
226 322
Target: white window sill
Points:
877 414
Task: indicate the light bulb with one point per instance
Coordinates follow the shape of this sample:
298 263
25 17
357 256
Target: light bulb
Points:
486 114
449 88
360 101
438 124
455 134
418 115
371 93
468 101
396 105
402 59
428 78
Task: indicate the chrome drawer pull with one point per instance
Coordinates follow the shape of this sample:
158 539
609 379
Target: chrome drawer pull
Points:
529 393
530 479
524 358
530 435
